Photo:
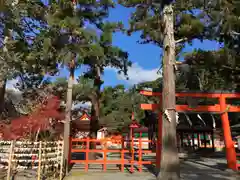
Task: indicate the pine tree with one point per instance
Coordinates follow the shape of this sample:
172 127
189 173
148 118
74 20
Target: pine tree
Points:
111 56
224 64
210 70
169 25
19 25
67 39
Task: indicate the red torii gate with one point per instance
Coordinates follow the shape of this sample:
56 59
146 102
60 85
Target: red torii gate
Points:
222 107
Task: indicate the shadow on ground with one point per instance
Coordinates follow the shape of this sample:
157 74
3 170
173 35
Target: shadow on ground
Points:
195 171
216 160
194 167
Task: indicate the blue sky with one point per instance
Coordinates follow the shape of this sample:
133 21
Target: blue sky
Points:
145 58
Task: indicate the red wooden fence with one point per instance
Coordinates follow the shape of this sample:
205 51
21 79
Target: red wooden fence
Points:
128 155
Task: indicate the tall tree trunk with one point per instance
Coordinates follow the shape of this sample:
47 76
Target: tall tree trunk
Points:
94 116
2 95
68 117
169 167
95 110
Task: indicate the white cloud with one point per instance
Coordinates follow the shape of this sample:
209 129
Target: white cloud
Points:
11 85
138 74
86 105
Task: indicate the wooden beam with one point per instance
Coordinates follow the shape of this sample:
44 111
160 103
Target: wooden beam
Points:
151 107
199 95
184 108
233 108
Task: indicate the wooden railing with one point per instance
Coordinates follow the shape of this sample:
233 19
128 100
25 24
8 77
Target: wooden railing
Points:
130 152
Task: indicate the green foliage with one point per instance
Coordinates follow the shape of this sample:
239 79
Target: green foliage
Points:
79 33
20 24
117 105
212 70
215 20
224 18
81 91
218 70
108 55
68 37
148 19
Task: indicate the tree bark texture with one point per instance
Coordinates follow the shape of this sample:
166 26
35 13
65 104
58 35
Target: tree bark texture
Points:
68 119
169 166
94 116
95 110
2 95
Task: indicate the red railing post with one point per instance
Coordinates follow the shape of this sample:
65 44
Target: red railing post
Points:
70 150
159 141
87 151
140 154
132 155
105 155
122 155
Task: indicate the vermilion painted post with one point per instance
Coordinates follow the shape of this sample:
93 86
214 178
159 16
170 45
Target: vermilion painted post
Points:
70 150
105 155
130 136
230 150
159 141
122 155
87 151
140 153
123 142
132 152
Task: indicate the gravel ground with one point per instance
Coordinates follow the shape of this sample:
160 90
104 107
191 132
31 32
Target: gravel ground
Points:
190 170
194 168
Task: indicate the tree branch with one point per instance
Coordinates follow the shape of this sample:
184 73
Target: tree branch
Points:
228 67
235 33
181 40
